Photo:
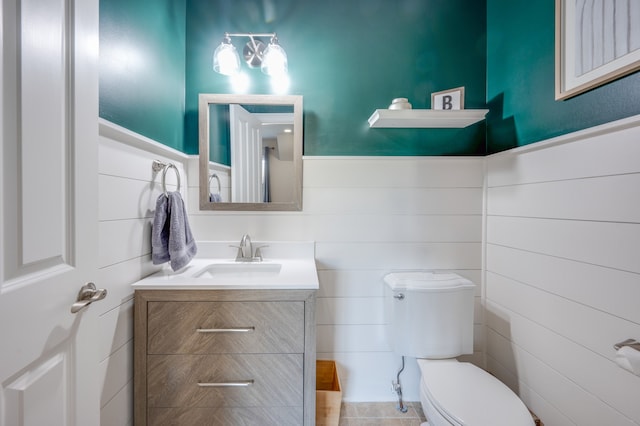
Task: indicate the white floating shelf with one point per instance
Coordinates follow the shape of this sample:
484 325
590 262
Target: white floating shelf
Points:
426 118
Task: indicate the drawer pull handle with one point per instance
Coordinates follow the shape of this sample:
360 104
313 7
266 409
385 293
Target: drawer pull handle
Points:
243 383
227 330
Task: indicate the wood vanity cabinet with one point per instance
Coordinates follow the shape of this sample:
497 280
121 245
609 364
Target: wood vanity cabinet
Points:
224 357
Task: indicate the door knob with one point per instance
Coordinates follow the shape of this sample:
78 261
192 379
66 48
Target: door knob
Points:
87 295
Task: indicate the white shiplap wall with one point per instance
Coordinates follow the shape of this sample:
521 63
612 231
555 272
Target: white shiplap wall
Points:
368 216
379 215
563 273
128 189
562 277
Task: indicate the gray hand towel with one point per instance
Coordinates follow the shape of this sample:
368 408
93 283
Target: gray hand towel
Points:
215 198
171 238
160 232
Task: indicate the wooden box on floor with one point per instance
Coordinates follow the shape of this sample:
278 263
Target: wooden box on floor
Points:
328 394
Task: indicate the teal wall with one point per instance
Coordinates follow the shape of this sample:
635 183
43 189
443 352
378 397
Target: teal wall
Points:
142 67
521 80
348 58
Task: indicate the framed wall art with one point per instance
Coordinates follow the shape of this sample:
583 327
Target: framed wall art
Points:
597 41
452 99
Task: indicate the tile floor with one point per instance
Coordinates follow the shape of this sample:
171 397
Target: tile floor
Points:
380 414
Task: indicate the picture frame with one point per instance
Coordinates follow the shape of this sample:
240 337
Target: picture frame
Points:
451 99
596 42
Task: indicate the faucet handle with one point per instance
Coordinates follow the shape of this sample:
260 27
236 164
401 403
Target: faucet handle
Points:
258 252
239 253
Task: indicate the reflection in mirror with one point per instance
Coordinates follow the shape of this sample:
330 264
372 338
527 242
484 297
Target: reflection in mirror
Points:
250 152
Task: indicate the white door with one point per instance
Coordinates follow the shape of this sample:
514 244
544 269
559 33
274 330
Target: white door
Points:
48 184
246 156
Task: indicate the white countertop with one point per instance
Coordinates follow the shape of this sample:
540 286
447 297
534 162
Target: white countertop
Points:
291 267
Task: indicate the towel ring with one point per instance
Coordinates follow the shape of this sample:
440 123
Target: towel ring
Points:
215 176
164 177
159 165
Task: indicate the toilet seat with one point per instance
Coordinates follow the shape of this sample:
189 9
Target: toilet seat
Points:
466 395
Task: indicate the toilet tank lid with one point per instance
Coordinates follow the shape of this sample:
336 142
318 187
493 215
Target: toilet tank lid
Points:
426 281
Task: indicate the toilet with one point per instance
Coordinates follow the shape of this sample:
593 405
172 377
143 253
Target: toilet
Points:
430 317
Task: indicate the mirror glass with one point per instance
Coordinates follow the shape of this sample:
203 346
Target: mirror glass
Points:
250 152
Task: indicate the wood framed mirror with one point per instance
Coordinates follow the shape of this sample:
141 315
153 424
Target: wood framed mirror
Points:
250 152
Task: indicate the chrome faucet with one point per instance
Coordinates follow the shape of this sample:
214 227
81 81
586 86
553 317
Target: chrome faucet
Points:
246 248
246 251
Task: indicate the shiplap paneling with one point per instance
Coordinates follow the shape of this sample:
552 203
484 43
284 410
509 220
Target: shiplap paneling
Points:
116 323
457 201
369 216
128 189
577 405
393 172
592 285
113 278
570 337
398 255
117 411
113 188
400 214
584 154
349 310
117 371
385 364
612 244
562 273
353 255
616 197
550 370
121 240
387 214
374 228
535 402
350 283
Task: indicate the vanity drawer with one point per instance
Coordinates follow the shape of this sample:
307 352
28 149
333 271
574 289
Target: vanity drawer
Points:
226 416
227 380
225 327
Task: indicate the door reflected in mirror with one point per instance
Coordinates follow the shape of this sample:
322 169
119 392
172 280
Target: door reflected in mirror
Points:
250 152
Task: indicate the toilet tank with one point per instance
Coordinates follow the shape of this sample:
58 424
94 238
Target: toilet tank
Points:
429 314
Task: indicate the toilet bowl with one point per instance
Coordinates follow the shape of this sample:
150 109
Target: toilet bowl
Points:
430 317
459 393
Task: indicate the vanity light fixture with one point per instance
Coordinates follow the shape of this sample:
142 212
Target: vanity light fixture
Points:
271 58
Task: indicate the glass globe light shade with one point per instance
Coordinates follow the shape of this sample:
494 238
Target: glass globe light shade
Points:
226 60
274 61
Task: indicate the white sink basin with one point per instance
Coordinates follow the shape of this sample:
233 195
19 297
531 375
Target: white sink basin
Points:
248 270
